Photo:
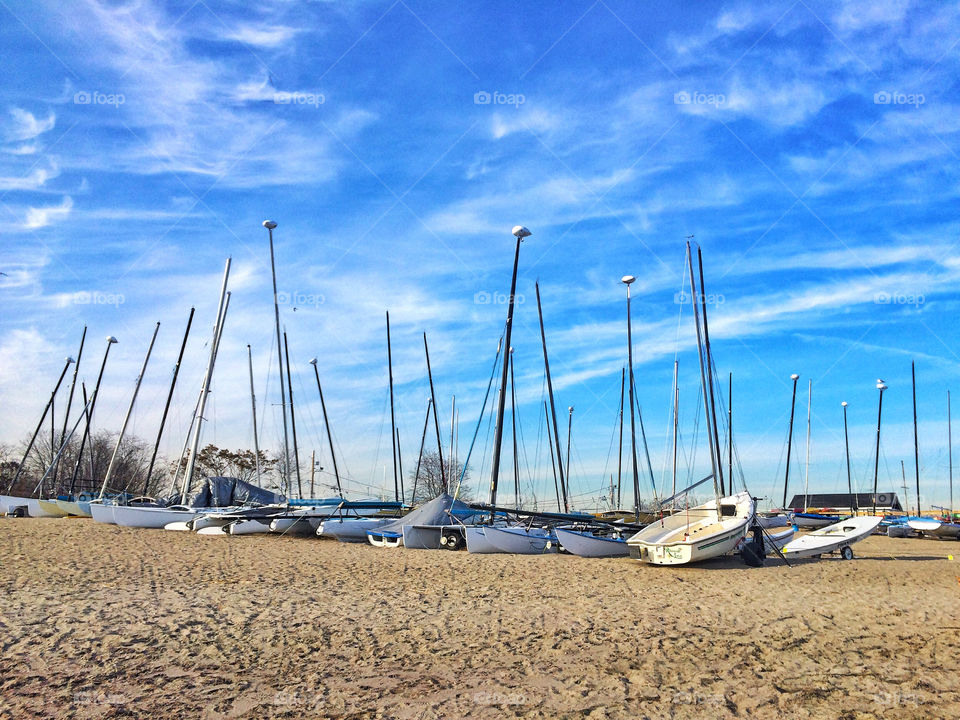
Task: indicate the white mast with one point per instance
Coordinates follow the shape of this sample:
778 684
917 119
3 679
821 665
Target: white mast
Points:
806 480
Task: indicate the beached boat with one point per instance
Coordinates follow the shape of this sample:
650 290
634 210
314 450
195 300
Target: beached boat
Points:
590 543
837 537
700 533
521 540
810 520
924 525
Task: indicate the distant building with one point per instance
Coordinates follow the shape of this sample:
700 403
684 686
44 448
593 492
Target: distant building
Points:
843 502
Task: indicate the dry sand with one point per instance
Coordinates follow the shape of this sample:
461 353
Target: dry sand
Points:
101 621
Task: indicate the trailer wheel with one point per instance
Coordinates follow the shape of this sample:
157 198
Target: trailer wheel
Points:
454 541
846 552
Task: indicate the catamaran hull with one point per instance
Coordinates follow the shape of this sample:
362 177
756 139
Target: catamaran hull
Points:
102 513
349 530
40 509
149 517
292 526
520 541
812 520
248 527
477 542
50 508
586 544
71 508
947 530
924 526
11 503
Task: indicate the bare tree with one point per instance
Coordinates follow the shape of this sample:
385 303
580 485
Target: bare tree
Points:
430 483
213 461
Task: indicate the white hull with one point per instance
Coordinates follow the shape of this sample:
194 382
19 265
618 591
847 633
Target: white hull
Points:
587 544
213 530
477 542
292 526
521 541
49 508
71 508
812 523
179 526
351 529
102 513
248 527
9 503
149 517
924 525
696 534
831 538
375 538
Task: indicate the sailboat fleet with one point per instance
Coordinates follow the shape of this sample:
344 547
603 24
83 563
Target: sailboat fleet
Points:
676 530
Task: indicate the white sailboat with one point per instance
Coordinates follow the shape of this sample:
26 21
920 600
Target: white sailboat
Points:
587 543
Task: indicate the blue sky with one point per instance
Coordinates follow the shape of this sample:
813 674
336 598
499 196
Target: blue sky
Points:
810 148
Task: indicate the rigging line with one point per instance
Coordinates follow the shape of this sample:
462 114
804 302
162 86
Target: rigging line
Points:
466 462
383 419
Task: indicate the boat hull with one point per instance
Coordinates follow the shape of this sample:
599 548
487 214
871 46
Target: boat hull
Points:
102 513
587 544
831 538
50 509
350 530
947 530
477 542
10 503
149 517
522 541
71 508
248 527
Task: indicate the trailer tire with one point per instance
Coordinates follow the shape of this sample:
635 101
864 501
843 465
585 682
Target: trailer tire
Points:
846 552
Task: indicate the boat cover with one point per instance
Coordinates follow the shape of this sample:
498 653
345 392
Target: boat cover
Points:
230 492
436 512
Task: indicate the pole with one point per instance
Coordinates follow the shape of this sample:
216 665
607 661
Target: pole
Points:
326 423
623 374
93 403
393 421
166 407
73 384
709 358
950 453
436 421
400 464
569 430
916 442
270 225
628 280
676 421
513 419
846 443
793 406
806 467
126 419
293 417
876 462
253 409
43 417
553 459
63 446
553 408
313 469
207 378
730 428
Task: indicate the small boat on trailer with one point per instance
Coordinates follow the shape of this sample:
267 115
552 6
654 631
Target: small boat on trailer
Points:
834 538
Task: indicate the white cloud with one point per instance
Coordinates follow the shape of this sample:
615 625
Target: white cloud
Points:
264 36
34 180
25 126
39 217
507 123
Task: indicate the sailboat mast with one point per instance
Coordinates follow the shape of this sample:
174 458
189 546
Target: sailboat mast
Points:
326 423
730 428
709 360
569 430
126 419
703 376
806 467
676 421
513 421
270 225
623 376
553 459
166 407
628 280
846 445
207 379
73 385
86 432
293 417
793 407
400 464
393 421
552 420
916 441
881 386
423 441
436 420
253 409
950 453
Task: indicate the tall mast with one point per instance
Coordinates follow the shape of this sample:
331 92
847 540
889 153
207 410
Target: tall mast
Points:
89 413
709 360
126 419
326 422
881 386
293 417
270 225
628 280
519 232
730 428
793 407
393 421
553 459
400 463
166 407
916 442
207 379
569 430
623 375
66 415
676 421
553 408
513 420
703 377
846 444
950 453
436 420
253 409
806 467
43 417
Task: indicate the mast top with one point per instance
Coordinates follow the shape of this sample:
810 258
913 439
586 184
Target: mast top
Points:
627 279
69 360
844 403
111 339
313 361
519 231
794 377
881 385
269 224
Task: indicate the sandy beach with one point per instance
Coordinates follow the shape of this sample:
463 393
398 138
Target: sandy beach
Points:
99 621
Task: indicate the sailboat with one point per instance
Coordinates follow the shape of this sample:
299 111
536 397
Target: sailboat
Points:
719 525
